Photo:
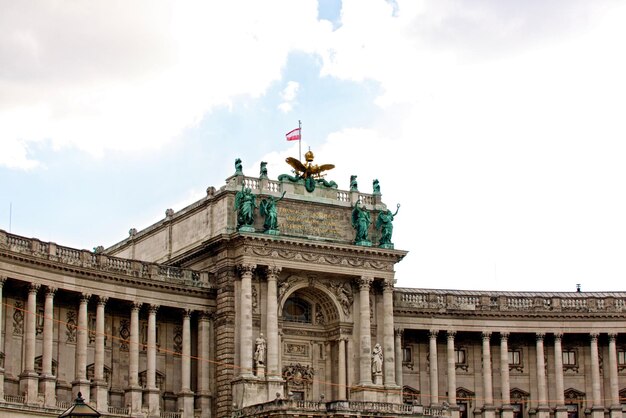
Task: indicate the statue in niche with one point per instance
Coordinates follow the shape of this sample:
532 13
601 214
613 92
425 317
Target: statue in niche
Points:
384 222
259 351
376 186
377 360
263 170
245 203
269 211
360 222
354 186
238 167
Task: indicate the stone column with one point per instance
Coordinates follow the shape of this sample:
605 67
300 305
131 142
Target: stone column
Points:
389 352
489 409
80 383
2 280
151 387
245 332
543 410
185 396
341 389
398 334
597 408
365 332
29 379
134 392
272 323
48 380
561 409
100 384
507 409
204 391
616 408
451 358
434 369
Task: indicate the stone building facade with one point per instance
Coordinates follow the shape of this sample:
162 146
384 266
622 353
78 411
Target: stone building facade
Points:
196 317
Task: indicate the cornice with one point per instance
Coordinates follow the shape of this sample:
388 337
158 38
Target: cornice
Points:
495 314
100 275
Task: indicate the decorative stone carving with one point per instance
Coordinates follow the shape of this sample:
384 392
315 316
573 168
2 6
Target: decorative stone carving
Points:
255 299
70 325
343 291
284 285
18 318
319 315
178 339
298 375
124 334
296 349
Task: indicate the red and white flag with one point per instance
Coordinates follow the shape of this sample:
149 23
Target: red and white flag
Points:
293 135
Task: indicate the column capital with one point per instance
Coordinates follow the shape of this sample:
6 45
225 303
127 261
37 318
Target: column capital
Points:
273 271
594 336
84 297
451 334
558 336
50 291
433 333
389 284
153 308
504 335
612 336
135 306
187 313
486 335
205 315
540 336
399 332
33 287
102 300
364 282
246 269
2 280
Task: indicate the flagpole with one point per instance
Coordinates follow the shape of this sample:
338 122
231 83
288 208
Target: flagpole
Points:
300 141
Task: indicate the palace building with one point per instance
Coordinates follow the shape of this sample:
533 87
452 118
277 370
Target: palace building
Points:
277 298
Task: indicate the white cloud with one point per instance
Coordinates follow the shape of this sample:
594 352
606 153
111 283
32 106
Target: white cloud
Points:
114 75
288 95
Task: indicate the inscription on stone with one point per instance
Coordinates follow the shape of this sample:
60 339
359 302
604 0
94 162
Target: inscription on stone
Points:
312 222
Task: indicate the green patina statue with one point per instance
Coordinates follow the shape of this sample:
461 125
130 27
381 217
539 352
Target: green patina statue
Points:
238 167
384 222
310 174
376 186
263 170
269 211
354 186
245 203
361 222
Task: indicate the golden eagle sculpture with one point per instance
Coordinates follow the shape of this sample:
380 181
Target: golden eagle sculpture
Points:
309 172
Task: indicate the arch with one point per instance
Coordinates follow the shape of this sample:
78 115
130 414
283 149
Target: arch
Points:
316 292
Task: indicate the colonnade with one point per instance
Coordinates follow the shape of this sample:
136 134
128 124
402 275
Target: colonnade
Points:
35 386
542 402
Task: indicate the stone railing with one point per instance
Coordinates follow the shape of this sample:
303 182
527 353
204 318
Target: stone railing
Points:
458 300
171 414
118 410
103 262
345 407
14 399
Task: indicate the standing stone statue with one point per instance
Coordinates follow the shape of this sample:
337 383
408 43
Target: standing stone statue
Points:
377 362
361 223
245 203
270 212
259 351
384 222
263 170
238 167
376 186
354 186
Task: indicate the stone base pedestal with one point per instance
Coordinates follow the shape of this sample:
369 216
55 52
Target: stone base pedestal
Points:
378 379
489 411
272 232
275 387
1 384
29 386
367 393
260 371
455 413
154 406
100 393
204 403
561 412
185 403
84 387
246 229
132 399
249 391
616 411
393 394
543 411
363 243
597 412
48 386
506 412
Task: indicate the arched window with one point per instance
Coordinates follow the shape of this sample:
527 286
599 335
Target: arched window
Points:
297 310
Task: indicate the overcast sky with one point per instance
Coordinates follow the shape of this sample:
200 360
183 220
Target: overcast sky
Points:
499 126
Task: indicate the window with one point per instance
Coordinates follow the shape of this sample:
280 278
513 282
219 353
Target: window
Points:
515 357
621 357
297 310
460 358
407 355
569 358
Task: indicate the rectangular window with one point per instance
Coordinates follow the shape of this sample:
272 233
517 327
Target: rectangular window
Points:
621 357
407 355
459 356
515 357
569 358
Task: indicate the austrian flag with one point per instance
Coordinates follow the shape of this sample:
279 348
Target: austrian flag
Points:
293 135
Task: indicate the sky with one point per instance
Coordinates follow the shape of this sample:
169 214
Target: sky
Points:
498 125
